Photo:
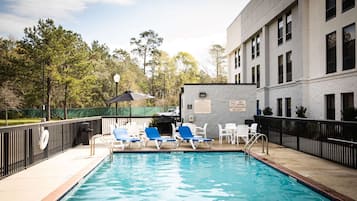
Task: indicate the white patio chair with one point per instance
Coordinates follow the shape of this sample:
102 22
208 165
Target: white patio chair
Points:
243 133
202 131
253 129
223 133
174 131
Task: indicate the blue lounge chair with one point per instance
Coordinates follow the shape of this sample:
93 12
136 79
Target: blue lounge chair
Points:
121 135
187 136
153 135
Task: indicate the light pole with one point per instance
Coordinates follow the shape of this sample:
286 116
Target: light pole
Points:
116 80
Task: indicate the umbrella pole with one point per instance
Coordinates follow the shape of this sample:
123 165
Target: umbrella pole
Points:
130 111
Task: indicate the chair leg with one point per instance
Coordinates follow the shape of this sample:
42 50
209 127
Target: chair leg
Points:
157 144
192 144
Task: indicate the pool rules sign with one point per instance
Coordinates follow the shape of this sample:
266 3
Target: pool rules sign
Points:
237 106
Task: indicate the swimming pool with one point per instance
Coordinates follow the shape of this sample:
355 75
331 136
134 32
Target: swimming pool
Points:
188 176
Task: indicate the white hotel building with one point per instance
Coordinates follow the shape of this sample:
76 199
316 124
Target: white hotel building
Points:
298 52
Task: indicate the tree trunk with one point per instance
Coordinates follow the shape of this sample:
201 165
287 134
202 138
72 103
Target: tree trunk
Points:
145 62
48 118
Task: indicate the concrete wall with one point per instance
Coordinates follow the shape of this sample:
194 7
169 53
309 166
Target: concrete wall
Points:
220 96
310 83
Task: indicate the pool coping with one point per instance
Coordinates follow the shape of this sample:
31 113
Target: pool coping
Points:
314 185
63 189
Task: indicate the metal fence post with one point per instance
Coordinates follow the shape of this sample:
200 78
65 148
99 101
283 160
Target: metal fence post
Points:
6 154
30 145
25 148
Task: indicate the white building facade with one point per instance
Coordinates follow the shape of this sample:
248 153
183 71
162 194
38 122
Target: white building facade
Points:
299 53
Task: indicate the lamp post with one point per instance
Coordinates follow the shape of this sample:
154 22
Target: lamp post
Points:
116 80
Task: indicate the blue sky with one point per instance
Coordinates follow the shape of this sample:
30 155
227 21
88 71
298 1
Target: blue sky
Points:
186 25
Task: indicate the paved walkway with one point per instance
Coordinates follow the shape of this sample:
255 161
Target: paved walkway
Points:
48 179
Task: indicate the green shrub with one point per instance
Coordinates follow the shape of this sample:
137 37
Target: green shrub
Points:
267 111
300 111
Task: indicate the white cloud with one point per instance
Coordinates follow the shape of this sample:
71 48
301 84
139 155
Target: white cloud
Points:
61 9
13 25
23 13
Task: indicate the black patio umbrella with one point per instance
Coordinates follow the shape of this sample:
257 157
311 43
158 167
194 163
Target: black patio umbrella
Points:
129 96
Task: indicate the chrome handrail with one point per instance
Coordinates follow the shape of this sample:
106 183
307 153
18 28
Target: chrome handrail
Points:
254 139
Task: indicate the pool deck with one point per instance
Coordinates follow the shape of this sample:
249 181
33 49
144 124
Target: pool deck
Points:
50 178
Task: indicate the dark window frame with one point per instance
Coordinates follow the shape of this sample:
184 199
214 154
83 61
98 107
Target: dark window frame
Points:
279 102
330 106
331 56
347 5
238 78
235 59
253 74
238 57
258 45
280 69
288 107
349 62
288 29
330 10
258 76
289 67
347 100
280 30
253 48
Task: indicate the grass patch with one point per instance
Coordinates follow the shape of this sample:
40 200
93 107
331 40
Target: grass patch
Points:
12 122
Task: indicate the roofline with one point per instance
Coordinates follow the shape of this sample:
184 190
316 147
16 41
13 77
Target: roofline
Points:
228 84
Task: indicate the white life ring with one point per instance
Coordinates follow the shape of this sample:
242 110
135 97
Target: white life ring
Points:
44 139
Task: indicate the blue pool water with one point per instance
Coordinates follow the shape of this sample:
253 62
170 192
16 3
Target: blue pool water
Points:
188 176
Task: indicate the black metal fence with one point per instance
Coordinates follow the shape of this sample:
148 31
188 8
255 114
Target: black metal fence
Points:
331 140
19 145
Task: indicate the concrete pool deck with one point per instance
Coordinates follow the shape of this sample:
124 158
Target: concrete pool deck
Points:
50 178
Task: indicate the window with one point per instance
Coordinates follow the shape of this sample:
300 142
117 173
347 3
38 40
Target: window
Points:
289 74
258 76
280 69
238 57
288 26
253 74
347 100
330 106
331 52
235 59
258 45
347 4
253 48
280 106
280 31
238 78
288 107
349 47
330 9
258 108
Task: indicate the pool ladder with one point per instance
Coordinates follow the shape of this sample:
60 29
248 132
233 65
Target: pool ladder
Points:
253 140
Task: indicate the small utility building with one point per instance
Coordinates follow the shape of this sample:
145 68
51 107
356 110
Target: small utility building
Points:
217 104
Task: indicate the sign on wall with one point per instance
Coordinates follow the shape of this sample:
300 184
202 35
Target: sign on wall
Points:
237 106
202 106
